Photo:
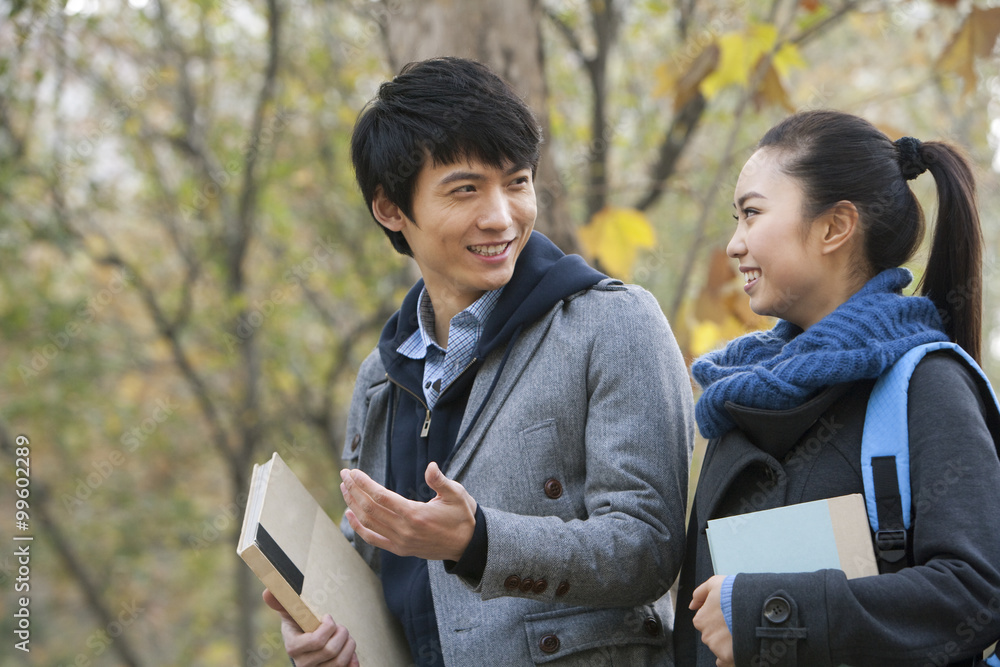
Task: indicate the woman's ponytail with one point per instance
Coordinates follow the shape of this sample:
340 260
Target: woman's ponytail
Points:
953 279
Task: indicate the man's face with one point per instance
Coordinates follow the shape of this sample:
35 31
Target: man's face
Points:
471 222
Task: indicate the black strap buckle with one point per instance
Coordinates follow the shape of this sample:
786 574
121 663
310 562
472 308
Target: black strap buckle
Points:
890 545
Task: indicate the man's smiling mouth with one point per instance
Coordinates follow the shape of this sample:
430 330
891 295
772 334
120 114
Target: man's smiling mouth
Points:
490 250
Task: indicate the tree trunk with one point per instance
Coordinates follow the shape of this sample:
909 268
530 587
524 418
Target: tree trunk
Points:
505 35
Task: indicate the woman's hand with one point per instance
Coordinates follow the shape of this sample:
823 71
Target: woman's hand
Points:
710 621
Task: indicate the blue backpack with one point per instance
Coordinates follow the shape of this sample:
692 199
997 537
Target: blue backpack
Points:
885 453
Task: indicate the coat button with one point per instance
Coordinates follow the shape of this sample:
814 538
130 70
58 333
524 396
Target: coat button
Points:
512 582
355 442
549 644
652 626
777 609
526 584
553 488
562 589
539 587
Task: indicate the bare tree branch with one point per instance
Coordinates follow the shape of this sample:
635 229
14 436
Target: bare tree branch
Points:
168 331
248 196
807 35
686 18
681 131
566 31
605 21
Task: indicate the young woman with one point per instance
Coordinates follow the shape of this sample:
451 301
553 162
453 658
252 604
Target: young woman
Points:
824 220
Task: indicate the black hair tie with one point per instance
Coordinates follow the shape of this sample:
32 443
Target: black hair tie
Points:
911 163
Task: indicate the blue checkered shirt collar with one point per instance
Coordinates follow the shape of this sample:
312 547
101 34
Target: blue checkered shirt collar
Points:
442 366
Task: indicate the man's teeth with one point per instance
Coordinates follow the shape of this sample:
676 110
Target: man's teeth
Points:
751 275
489 250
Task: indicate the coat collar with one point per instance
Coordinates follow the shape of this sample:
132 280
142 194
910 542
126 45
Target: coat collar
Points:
775 432
761 437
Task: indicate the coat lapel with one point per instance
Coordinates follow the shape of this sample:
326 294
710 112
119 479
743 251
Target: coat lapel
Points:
525 347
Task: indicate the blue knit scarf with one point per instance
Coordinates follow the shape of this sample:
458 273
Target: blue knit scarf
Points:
785 366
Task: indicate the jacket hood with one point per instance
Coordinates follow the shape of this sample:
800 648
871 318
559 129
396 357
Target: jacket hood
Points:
543 276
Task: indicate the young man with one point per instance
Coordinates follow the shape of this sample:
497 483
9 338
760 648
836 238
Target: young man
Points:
518 443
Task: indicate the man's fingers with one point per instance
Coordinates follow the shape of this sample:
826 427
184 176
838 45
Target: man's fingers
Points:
364 489
440 484
311 642
374 505
368 512
272 601
365 533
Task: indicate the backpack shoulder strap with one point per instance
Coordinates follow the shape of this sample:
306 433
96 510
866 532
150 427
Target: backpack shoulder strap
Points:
885 449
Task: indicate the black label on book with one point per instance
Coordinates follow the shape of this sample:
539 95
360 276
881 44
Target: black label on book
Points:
281 562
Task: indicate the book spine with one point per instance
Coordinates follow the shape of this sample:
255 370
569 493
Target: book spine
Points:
280 588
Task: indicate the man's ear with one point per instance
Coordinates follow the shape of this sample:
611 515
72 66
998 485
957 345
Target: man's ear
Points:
840 225
388 214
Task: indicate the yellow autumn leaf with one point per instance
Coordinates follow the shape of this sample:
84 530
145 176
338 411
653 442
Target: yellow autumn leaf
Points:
684 84
771 91
739 53
614 237
787 58
975 39
705 337
708 335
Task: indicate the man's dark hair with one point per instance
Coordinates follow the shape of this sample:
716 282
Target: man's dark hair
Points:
446 110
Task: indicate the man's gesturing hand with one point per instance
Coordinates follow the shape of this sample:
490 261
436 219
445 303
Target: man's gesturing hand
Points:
439 529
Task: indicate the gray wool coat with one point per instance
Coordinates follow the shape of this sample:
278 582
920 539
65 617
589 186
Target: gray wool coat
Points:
580 464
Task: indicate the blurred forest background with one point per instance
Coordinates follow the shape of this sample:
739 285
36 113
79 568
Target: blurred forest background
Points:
189 279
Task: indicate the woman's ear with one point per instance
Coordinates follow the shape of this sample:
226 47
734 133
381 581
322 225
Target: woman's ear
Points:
388 214
840 225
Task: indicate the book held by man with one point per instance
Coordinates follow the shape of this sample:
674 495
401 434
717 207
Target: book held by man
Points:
830 533
302 557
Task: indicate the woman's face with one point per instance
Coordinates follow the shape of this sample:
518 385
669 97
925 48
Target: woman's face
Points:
780 253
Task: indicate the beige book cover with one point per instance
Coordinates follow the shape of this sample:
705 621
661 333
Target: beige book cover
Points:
830 533
302 557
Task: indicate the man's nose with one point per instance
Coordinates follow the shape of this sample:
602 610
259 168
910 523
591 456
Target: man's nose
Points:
496 211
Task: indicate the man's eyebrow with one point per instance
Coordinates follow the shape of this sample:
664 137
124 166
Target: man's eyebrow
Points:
475 175
746 196
461 176
516 168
